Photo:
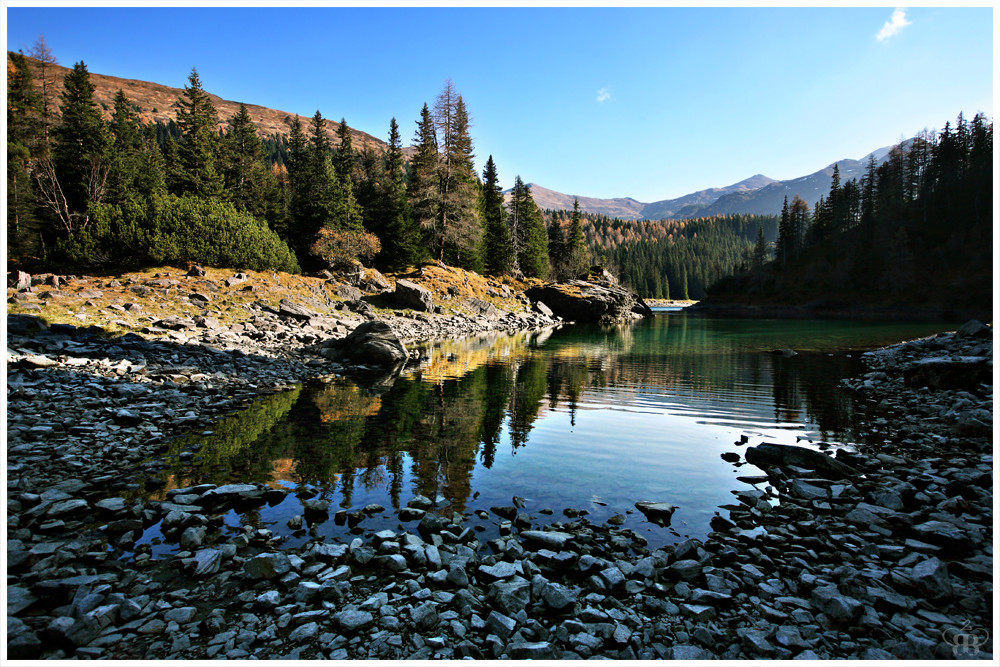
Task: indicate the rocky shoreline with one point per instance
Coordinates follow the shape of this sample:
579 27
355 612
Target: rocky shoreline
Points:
872 554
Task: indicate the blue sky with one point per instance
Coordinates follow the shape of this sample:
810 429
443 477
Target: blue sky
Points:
649 103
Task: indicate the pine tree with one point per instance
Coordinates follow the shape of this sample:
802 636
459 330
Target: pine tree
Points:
347 212
401 240
557 247
496 235
528 232
24 141
423 186
199 170
249 183
577 254
457 229
76 176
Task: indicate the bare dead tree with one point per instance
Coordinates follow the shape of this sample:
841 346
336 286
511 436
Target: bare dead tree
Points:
53 199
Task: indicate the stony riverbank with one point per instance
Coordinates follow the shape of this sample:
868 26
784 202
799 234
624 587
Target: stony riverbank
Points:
872 554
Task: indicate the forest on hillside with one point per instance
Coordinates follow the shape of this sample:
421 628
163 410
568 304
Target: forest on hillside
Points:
88 193
914 230
91 194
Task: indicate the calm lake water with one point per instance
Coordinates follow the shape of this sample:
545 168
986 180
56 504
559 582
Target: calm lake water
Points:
579 417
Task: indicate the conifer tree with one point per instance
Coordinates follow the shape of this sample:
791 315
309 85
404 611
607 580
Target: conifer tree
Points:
457 229
199 172
423 186
24 141
137 167
577 254
250 185
41 52
558 256
785 244
401 241
528 232
76 176
496 235
347 212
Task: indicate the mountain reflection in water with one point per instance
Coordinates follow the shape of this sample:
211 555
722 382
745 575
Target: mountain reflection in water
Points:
583 417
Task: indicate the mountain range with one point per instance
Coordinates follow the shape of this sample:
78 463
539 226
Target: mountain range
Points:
757 194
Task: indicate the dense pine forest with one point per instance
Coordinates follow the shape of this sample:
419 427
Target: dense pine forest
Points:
94 189
674 259
914 230
92 193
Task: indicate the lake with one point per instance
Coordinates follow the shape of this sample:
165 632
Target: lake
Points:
579 417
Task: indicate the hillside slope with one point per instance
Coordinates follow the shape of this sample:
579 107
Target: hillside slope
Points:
155 103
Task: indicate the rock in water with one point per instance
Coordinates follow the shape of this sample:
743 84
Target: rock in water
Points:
656 512
582 301
770 453
371 342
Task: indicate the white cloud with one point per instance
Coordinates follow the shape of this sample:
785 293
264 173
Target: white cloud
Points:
893 25
604 94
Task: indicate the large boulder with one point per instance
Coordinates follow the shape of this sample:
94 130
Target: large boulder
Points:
583 301
483 308
19 280
372 342
412 295
368 280
768 453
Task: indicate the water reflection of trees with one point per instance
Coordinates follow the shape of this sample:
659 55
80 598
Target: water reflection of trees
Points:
436 423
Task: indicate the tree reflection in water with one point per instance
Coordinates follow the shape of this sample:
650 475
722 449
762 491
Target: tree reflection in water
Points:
435 424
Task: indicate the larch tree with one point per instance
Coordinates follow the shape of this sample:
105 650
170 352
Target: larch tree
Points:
457 229
41 52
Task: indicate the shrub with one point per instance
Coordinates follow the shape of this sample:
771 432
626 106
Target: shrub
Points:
341 248
166 229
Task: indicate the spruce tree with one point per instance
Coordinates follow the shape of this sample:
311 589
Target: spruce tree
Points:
577 254
76 176
401 241
137 168
347 213
423 185
250 185
25 141
785 243
528 232
199 172
558 256
496 235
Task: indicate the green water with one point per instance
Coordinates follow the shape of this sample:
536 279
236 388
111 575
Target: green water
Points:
580 417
